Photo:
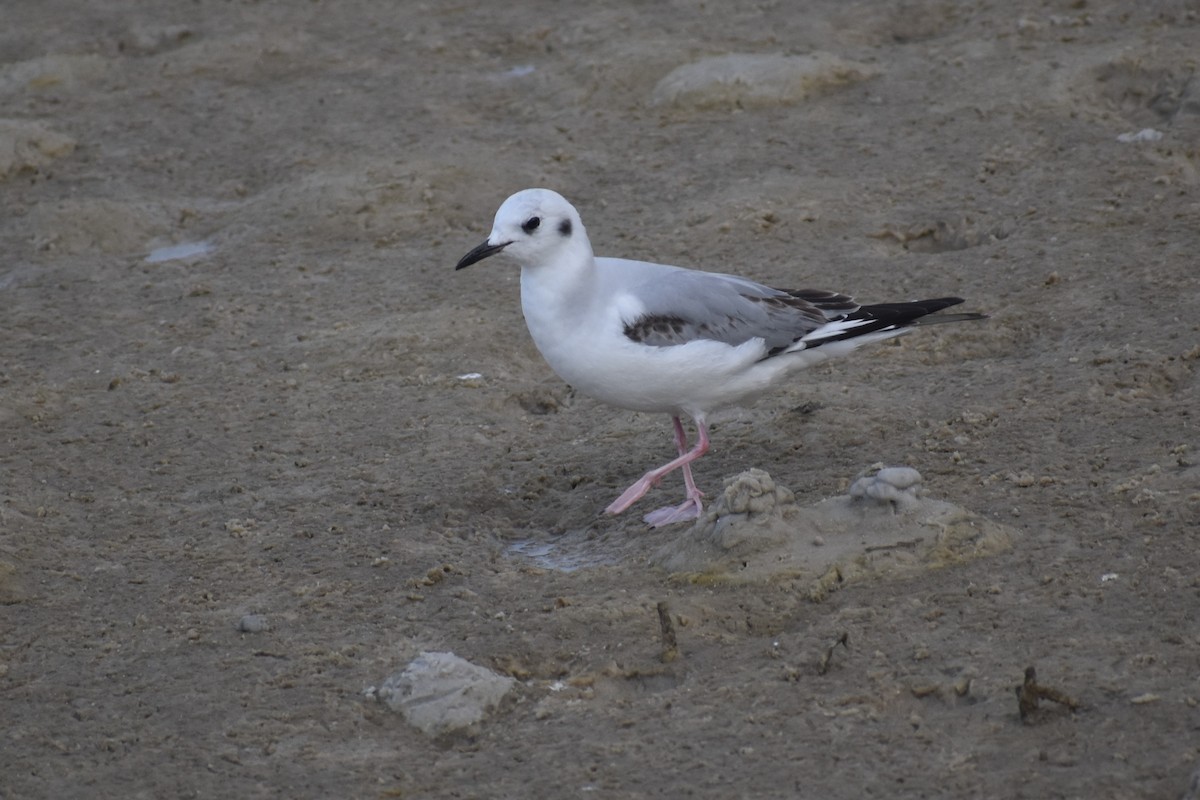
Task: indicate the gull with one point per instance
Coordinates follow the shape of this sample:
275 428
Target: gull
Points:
663 339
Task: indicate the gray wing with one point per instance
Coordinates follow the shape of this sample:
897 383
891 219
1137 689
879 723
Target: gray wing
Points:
684 306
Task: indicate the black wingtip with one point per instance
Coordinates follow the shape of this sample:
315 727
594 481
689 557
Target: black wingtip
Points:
938 319
894 317
931 307
935 305
917 311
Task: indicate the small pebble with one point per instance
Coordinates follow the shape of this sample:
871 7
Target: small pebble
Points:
253 623
1144 135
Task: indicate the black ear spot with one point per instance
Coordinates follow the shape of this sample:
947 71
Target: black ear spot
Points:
564 227
530 225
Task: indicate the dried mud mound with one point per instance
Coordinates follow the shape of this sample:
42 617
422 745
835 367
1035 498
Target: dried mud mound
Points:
885 525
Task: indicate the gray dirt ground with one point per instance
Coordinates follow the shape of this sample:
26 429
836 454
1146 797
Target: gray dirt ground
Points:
279 426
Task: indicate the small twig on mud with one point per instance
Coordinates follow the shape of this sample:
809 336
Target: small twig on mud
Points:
827 657
670 650
905 545
1030 693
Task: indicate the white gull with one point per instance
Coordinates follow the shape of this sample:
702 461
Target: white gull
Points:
657 338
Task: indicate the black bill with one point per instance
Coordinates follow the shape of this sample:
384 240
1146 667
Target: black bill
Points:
480 253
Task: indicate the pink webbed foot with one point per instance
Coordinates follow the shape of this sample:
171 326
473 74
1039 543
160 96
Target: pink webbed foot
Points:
689 510
631 495
692 507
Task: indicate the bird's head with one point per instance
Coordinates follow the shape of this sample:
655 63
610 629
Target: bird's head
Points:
534 227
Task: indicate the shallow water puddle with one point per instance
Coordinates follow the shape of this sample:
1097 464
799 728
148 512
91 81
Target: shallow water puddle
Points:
179 251
550 555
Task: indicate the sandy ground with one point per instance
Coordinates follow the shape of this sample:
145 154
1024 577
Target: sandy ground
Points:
277 425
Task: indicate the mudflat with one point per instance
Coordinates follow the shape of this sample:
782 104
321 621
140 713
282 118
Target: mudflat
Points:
262 446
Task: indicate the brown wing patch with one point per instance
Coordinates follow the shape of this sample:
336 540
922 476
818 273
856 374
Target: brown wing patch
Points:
657 330
667 330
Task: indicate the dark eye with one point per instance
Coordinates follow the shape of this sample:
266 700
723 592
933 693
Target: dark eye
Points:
530 225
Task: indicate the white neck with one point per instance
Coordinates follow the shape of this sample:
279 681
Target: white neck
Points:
553 294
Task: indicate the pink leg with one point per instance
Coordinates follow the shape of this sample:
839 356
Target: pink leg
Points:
692 506
681 447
